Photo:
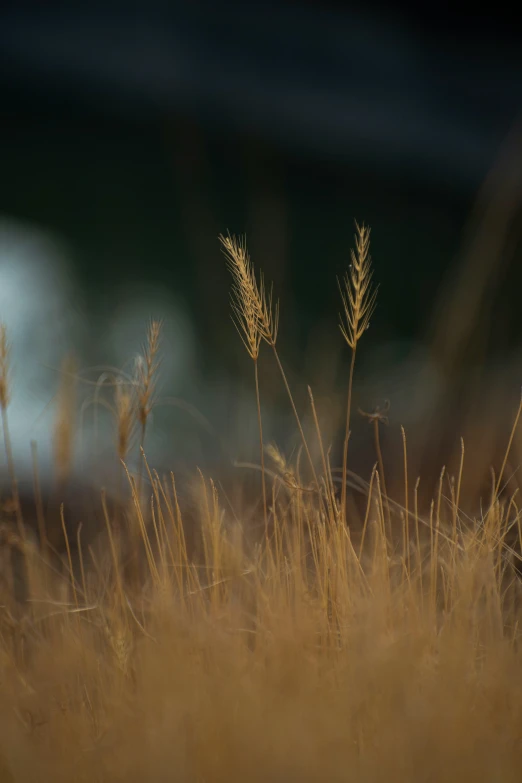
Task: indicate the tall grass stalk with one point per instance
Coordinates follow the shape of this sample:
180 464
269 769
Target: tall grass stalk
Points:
359 300
245 302
146 371
254 296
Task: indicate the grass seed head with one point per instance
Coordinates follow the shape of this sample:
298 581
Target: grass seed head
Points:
254 311
147 367
357 293
125 412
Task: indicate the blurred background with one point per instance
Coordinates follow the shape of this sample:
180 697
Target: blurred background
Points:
131 138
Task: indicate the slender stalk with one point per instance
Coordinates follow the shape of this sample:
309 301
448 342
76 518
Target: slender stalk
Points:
508 450
147 368
261 446
347 433
327 472
358 298
251 314
406 501
381 469
296 415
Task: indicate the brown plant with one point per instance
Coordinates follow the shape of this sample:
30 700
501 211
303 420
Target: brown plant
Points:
359 300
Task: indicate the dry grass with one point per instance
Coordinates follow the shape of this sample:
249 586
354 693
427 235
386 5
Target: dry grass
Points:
254 318
64 432
359 302
385 649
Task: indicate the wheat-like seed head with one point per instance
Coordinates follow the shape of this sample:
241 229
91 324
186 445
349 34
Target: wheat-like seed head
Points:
121 642
277 457
125 412
285 471
4 367
244 312
358 296
146 371
254 312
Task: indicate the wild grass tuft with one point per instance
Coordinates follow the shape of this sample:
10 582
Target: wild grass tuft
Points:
376 644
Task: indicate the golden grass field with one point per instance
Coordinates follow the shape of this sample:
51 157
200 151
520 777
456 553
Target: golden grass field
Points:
316 640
